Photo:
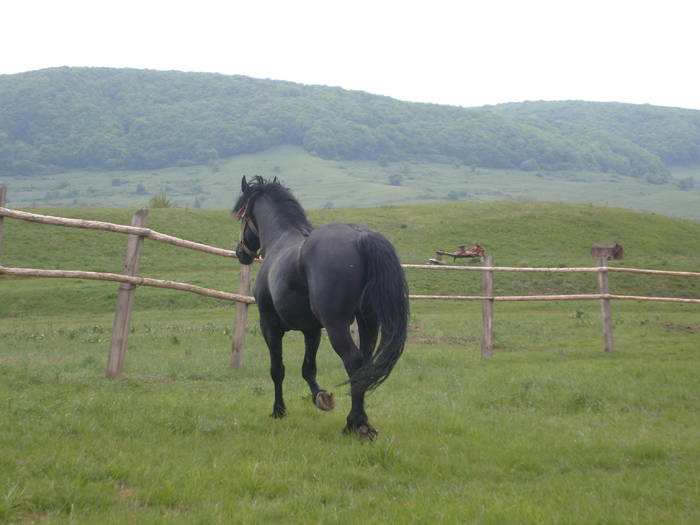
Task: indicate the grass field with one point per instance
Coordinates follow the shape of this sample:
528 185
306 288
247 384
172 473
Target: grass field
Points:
320 183
551 430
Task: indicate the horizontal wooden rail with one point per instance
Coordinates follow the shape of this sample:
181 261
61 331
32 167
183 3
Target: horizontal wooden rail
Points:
158 283
658 299
139 281
573 297
651 272
117 228
593 269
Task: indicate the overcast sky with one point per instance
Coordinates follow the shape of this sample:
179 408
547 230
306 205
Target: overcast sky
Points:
460 52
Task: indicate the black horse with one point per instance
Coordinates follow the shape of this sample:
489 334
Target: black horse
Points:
323 278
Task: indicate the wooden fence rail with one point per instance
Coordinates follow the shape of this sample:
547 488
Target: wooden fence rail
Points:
116 228
138 232
135 280
585 269
571 297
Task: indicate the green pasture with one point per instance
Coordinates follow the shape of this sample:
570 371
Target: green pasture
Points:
551 430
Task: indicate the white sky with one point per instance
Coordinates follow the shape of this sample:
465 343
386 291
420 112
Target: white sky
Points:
460 52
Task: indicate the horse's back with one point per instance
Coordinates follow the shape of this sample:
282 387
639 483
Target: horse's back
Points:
334 246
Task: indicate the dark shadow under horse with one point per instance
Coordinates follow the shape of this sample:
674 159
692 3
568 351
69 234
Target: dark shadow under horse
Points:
325 277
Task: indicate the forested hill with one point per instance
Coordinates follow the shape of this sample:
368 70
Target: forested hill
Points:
65 118
672 134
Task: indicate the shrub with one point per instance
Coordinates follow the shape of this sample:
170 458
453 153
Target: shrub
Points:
160 200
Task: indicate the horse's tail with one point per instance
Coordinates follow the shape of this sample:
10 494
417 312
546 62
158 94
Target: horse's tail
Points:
385 295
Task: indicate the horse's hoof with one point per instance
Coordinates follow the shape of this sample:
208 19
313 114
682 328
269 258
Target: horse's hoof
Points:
364 432
278 412
324 400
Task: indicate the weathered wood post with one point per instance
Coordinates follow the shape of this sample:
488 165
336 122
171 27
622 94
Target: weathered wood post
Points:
487 310
605 312
3 192
238 346
125 299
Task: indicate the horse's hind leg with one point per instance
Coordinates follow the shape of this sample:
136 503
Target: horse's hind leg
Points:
319 397
368 327
342 343
273 337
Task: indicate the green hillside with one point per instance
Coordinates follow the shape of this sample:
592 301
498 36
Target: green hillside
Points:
673 134
116 137
76 118
515 233
322 183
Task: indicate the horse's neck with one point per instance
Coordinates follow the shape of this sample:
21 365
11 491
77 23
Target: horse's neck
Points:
275 230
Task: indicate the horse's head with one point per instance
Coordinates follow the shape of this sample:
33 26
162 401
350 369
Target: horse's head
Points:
279 203
249 243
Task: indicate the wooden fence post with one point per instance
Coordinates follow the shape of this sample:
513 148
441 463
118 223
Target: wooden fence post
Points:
487 311
125 299
605 312
3 192
238 346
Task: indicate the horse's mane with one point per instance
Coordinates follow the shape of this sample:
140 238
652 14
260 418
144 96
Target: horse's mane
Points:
288 205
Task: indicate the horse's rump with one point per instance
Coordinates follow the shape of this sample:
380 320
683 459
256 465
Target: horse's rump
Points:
354 271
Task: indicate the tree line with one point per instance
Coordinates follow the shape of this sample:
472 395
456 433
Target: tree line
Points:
68 118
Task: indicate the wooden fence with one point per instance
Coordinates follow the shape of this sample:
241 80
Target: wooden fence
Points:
603 295
129 280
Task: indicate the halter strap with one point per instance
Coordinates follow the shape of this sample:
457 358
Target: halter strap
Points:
242 215
251 225
247 250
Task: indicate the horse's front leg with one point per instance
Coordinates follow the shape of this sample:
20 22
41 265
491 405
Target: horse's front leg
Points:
321 398
273 334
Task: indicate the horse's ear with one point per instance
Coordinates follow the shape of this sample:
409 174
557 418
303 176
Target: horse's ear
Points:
275 180
244 184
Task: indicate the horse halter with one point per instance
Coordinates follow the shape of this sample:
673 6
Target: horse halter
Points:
242 215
